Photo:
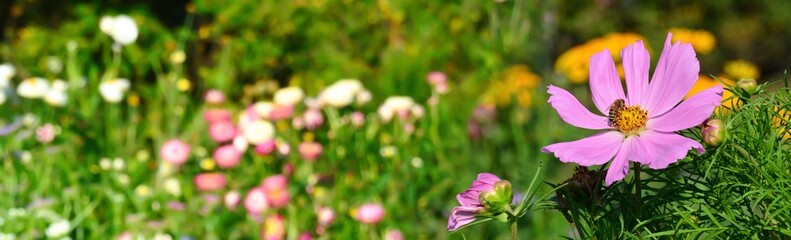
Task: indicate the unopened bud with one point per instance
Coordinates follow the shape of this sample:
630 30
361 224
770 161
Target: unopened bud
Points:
714 132
499 199
748 85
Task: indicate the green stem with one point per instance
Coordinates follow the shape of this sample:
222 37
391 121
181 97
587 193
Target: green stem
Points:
513 229
638 190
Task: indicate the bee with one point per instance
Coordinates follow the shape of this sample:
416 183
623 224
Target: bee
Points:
616 107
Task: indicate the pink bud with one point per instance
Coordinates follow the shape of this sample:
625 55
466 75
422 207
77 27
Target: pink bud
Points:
358 118
46 133
210 181
393 234
313 118
284 149
274 228
222 131
298 123
216 115
255 201
326 216
231 199
125 236
370 213
266 147
174 152
214 96
288 168
310 151
276 189
227 156
436 78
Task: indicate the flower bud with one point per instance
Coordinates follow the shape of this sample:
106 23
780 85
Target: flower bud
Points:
499 198
748 85
714 132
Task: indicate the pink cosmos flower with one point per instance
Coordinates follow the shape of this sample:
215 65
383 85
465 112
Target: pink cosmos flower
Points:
646 117
369 213
470 201
210 181
175 152
227 156
222 131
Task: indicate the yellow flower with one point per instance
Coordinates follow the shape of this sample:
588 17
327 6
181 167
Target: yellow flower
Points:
207 164
702 41
780 122
517 81
741 69
574 62
133 100
183 85
705 82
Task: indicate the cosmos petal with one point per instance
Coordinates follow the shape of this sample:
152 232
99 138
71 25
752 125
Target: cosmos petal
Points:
469 198
594 150
461 216
571 110
674 76
604 81
619 167
661 149
689 113
636 64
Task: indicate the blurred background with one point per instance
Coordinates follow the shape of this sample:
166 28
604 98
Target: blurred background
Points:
497 56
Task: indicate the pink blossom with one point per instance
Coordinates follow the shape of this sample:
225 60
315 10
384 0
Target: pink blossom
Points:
216 115
231 199
206 182
255 201
227 156
369 213
274 228
222 131
436 77
305 236
650 113
326 216
45 134
394 234
175 152
276 189
281 112
313 118
214 96
310 151
470 201
358 119
266 147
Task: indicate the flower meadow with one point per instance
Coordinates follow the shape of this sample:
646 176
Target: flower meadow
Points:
394 120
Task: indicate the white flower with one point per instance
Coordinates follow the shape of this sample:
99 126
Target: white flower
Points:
113 90
398 105
7 236
341 93
33 88
263 109
121 28
105 163
258 131
289 96
118 164
56 98
58 228
240 142
418 111
162 236
364 97
7 71
172 186
59 85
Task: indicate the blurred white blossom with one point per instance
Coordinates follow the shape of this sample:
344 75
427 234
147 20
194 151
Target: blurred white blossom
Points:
35 87
289 96
342 93
113 90
258 131
58 229
121 28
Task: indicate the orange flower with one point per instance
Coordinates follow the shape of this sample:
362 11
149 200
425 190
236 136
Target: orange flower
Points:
704 82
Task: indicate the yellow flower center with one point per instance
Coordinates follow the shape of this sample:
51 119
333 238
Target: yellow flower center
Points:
630 120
